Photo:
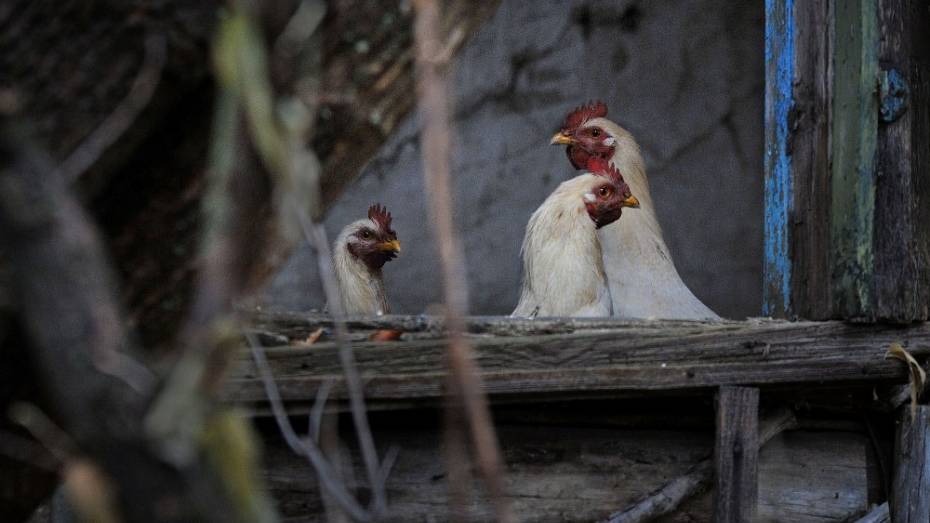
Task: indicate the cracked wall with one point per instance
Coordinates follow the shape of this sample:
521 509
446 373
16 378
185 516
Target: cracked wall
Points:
685 77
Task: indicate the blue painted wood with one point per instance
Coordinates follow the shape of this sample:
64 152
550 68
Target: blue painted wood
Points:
779 65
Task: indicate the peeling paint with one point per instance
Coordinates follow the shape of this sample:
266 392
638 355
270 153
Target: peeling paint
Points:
779 62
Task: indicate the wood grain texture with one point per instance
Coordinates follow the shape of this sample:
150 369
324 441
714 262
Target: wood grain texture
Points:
667 499
736 453
902 234
631 358
574 474
879 514
854 128
909 499
779 178
809 147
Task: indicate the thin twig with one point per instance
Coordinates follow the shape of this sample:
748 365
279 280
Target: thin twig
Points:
303 446
434 134
316 412
316 236
879 514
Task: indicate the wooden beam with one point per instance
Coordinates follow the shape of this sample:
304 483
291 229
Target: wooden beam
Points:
854 142
673 493
809 146
632 358
845 235
902 237
736 455
779 63
909 500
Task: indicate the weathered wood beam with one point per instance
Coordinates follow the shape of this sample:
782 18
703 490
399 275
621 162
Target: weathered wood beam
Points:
673 493
809 149
736 455
633 358
298 325
854 142
845 237
779 63
902 234
909 500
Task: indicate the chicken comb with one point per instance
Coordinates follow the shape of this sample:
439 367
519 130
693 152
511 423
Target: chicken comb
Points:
381 216
583 113
602 167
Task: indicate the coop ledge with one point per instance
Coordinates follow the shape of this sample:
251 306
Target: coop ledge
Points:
555 358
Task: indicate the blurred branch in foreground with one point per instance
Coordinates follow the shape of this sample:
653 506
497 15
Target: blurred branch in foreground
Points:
98 393
464 386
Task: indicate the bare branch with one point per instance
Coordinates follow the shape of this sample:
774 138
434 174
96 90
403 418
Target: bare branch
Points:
303 446
465 383
316 236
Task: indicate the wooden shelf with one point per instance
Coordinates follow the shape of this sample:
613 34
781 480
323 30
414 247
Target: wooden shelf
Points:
575 357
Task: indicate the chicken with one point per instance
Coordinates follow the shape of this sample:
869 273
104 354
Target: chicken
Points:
640 272
359 253
563 274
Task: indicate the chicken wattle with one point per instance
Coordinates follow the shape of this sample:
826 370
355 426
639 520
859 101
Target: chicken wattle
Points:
359 253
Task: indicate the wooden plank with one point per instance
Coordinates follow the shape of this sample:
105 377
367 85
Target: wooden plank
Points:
902 239
779 63
909 500
298 325
672 494
854 128
632 359
809 147
583 474
736 453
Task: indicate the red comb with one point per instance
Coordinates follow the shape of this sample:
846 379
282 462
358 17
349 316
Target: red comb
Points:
601 167
380 215
583 113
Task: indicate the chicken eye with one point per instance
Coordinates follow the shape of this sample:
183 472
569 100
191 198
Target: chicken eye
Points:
604 192
595 132
366 235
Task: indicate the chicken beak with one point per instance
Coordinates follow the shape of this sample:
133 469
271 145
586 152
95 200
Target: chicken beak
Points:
561 139
630 202
391 246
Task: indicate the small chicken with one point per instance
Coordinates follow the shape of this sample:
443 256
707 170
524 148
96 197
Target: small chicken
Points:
361 249
563 274
640 272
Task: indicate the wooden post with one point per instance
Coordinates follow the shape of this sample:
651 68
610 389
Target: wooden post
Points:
902 220
845 235
736 454
910 491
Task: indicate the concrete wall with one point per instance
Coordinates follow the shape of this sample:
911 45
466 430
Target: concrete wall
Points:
685 77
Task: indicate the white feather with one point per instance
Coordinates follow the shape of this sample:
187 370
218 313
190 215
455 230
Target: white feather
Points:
360 288
640 272
563 272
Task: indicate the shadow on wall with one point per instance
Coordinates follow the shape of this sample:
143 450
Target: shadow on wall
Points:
687 79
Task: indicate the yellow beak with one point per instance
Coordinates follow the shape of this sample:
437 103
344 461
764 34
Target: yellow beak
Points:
392 246
630 202
561 139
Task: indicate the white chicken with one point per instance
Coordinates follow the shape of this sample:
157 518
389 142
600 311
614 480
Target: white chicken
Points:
563 273
359 253
640 272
